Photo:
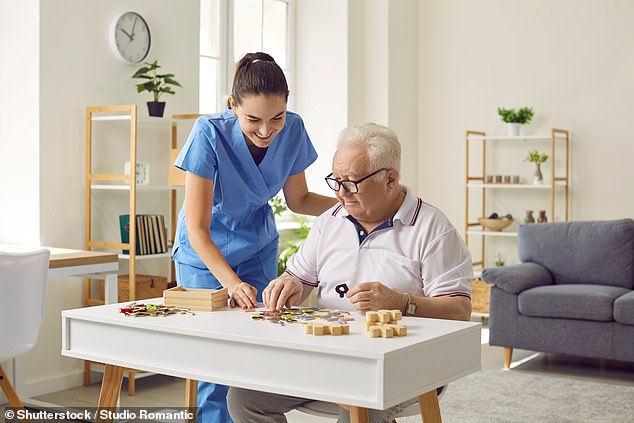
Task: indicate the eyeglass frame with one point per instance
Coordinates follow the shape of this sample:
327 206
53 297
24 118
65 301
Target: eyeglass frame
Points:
356 183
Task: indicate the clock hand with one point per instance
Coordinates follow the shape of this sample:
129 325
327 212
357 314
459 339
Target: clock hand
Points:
134 25
126 33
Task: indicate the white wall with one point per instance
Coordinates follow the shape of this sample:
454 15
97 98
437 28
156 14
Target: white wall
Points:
571 60
19 130
77 69
321 80
361 67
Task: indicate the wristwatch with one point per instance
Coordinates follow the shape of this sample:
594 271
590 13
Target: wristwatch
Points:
410 308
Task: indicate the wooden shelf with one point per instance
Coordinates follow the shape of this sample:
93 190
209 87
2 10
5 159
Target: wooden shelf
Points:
118 187
545 137
146 256
558 184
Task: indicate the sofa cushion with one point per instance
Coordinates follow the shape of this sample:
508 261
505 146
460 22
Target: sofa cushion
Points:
517 277
579 301
624 309
597 252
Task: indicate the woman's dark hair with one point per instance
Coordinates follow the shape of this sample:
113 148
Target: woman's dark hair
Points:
257 73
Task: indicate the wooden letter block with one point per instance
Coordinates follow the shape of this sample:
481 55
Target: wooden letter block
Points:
318 330
372 316
396 315
308 329
384 316
336 330
400 330
375 331
387 332
346 329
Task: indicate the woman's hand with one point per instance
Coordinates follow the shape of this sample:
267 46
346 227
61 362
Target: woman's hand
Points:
283 291
243 295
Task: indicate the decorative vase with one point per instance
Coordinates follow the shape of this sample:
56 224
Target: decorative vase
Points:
542 217
529 217
156 108
538 178
513 129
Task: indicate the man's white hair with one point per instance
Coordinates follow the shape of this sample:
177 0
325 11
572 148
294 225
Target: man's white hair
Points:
384 149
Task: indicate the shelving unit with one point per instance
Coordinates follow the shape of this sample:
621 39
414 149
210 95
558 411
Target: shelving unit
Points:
116 182
478 144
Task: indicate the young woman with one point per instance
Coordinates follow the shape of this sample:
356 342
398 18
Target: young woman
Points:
235 162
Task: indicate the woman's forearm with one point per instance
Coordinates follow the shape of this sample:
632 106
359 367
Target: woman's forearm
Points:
210 254
313 204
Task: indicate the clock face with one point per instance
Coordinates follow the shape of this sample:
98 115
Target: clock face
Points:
130 37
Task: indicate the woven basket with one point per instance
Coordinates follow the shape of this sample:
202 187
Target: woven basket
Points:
480 292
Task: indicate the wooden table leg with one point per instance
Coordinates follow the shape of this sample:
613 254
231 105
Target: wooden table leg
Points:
191 397
429 407
358 414
110 390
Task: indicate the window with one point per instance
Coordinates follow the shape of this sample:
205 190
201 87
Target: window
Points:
231 28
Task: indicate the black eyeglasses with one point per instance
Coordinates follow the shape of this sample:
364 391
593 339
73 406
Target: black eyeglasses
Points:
348 185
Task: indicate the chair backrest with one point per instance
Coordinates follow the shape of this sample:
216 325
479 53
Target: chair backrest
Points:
22 291
593 252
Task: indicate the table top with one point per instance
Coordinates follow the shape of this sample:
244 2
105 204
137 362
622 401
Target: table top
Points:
237 325
230 348
66 257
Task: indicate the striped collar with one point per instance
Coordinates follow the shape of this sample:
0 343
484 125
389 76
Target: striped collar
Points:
407 213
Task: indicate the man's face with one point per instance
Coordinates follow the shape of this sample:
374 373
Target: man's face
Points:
370 203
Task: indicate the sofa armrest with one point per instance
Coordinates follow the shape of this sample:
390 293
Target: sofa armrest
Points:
517 278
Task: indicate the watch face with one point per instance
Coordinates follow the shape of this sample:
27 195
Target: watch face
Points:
130 37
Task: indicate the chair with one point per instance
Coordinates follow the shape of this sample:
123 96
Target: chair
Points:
22 290
330 410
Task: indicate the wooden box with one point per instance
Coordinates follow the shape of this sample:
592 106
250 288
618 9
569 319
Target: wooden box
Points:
196 299
480 292
147 286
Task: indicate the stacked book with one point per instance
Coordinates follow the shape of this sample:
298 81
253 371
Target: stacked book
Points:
150 233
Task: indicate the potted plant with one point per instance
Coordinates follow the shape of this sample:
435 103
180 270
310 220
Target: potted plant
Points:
155 83
538 158
515 118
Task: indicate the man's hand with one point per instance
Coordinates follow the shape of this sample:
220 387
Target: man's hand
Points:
283 291
243 295
372 296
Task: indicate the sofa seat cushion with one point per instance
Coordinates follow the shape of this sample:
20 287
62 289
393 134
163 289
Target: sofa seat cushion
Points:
580 301
624 309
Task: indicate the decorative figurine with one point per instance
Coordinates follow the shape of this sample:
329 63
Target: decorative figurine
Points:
529 217
542 217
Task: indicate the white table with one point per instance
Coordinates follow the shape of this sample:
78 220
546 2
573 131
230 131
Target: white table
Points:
68 262
229 348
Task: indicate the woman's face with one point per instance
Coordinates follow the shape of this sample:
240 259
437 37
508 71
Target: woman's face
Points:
261 117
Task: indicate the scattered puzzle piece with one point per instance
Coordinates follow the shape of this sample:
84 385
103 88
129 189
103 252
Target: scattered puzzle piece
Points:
383 324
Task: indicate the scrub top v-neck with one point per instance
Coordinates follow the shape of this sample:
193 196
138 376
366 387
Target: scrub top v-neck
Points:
242 222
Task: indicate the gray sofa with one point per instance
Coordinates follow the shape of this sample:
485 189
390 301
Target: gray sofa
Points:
572 293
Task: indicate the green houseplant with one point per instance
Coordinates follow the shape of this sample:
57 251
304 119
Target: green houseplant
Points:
290 242
538 158
155 83
514 118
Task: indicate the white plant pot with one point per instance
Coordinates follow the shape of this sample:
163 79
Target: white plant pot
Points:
513 129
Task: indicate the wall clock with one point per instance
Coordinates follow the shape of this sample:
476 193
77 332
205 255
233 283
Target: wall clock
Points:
130 38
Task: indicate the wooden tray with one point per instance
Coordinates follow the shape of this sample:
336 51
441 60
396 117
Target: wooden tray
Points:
196 299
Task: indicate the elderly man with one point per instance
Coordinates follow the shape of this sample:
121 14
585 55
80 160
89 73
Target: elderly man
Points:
380 248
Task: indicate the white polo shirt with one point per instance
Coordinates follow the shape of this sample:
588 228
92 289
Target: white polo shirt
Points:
417 251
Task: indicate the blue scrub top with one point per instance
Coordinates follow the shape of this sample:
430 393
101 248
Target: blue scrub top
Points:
242 221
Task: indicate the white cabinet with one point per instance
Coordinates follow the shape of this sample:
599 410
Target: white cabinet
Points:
503 156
